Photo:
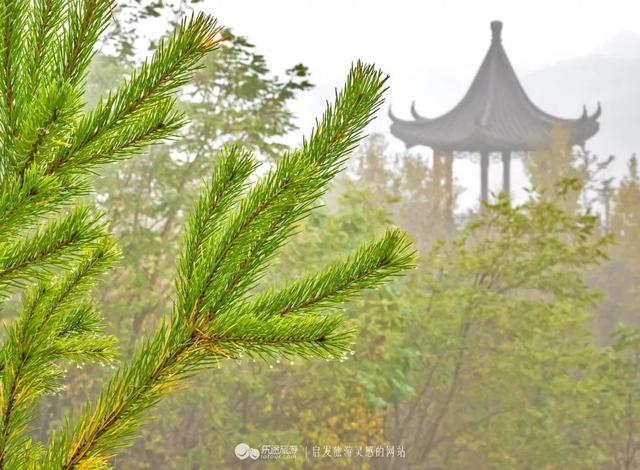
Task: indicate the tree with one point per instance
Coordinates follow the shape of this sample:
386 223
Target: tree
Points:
502 369
53 247
618 379
621 275
561 160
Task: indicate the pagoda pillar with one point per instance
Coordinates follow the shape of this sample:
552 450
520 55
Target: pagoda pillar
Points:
448 182
506 173
484 176
437 168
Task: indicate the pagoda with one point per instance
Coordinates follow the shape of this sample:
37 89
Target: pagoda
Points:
494 116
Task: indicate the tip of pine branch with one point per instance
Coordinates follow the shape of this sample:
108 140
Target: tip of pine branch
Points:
210 32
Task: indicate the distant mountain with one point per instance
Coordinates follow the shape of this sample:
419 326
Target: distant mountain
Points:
623 46
611 76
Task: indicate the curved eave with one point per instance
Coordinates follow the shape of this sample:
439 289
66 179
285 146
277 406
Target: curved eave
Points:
506 135
495 114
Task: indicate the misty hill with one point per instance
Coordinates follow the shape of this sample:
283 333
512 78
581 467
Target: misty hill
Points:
611 76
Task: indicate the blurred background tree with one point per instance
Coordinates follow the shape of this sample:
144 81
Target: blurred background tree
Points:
620 277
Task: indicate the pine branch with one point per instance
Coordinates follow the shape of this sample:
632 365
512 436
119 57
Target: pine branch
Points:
67 290
55 95
25 201
139 113
155 369
227 243
54 326
56 59
126 139
135 102
233 168
46 22
82 319
264 219
87 19
12 31
310 336
371 265
50 246
54 108
49 150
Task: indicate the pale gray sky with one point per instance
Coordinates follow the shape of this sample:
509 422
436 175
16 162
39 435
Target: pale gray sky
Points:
431 48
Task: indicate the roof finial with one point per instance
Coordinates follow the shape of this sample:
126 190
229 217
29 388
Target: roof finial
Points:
496 30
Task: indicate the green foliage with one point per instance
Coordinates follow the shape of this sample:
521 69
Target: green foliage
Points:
54 249
51 245
508 340
621 276
561 161
228 245
234 98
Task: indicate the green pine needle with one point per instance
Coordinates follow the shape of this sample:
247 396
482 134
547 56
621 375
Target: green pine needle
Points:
232 234
53 248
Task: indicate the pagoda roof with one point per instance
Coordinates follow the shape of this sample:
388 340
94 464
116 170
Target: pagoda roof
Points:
494 115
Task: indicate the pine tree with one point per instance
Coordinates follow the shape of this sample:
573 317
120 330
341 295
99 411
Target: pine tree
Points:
53 247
